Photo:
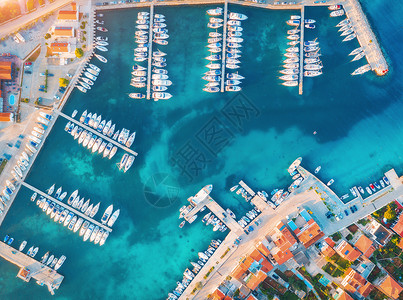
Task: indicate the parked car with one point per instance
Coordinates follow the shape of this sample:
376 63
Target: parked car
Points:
352 210
42 74
57 97
346 212
340 215
41 90
50 75
28 72
42 86
355 208
28 63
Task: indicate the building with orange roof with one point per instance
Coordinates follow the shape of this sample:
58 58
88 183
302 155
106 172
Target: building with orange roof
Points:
281 256
252 297
5 70
258 257
380 233
64 31
68 15
398 227
309 233
365 245
344 296
6 117
390 287
286 235
330 242
253 281
217 295
327 250
353 281
347 251
366 289
73 6
262 249
60 48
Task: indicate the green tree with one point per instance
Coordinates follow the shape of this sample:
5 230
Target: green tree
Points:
390 214
63 82
47 36
79 52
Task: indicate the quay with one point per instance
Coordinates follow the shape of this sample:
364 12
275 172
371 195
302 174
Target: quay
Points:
150 50
31 268
366 37
68 207
228 221
247 188
96 132
224 46
301 52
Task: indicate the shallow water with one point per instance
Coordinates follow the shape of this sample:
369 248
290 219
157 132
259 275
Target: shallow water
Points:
359 137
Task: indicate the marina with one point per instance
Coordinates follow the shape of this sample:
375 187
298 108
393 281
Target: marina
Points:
94 131
60 203
31 268
301 51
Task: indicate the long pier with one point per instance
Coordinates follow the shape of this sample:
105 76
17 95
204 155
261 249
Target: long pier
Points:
70 208
150 50
224 46
96 132
31 268
301 52
228 221
247 188
366 37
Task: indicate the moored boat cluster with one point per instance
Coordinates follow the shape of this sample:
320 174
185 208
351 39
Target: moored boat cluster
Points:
91 75
189 275
48 260
159 78
60 214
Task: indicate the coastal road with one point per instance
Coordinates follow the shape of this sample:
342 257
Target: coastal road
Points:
13 26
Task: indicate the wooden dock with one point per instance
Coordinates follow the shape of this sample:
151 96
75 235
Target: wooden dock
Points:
96 132
224 46
301 52
68 207
259 203
31 268
150 50
366 37
228 221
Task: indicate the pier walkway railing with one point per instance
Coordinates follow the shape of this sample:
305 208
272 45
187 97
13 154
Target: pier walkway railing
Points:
31 268
96 132
68 207
224 46
301 52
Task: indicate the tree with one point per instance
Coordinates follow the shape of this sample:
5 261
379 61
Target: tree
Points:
47 36
389 214
30 5
79 52
199 285
63 82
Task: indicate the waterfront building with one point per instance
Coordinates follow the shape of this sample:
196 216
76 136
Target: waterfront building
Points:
60 31
306 229
326 249
398 227
69 15
379 232
355 283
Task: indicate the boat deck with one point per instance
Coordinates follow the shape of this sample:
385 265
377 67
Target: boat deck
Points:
224 46
66 206
301 52
366 37
40 272
228 221
96 132
150 50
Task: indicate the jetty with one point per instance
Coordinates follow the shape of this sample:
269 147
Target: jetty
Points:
366 37
96 132
301 52
224 46
247 188
150 50
31 268
65 206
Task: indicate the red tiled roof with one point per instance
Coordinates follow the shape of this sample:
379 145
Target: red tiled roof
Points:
398 228
390 287
67 15
256 255
64 31
254 281
59 47
364 244
347 251
262 249
366 289
5 117
310 234
251 297
327 250
73 6
238 272
218 295
345 296
281 257
353 280
330 242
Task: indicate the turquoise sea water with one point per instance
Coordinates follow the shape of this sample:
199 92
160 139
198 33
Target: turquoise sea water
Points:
359 137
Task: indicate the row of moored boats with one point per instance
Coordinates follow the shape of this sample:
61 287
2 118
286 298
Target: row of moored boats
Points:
90 76
69 217
159 79
232 55
189 275
47 259
347 30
